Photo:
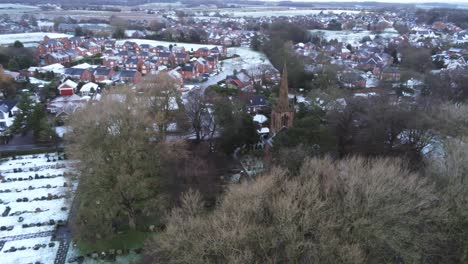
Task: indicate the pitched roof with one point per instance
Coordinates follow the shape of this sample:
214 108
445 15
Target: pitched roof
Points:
102 71
68 83
7 105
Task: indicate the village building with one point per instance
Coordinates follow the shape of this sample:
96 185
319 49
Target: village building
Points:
282 115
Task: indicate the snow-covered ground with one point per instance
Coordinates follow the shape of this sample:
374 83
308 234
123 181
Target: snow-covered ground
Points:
248 59
7 39
289 12
29 255
38 196
348 36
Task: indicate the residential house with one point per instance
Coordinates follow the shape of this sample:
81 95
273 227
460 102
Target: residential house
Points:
165 57
128 76
256 103
181 58
67 88
60 57
88 89
79 74
8 110
391 74
103 74
352 80
189 71
202 52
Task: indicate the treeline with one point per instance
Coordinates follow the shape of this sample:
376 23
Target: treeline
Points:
17 57
457 16
353 210
192 36
277 45
355 180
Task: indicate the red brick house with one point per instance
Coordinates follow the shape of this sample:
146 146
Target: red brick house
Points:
103 74
112 62
129 76
79 74
180 58
202 52
202 66
165 57
212 62
189 71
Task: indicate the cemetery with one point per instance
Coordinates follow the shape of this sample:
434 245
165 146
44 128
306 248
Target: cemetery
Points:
36 193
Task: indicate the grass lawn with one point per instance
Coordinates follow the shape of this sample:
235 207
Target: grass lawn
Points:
126 240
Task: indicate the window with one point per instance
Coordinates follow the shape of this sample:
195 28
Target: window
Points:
2 115
2 125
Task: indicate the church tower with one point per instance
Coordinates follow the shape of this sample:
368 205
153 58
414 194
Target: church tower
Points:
282 115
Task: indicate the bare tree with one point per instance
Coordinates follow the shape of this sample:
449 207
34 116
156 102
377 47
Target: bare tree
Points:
162 94
348 211
200 115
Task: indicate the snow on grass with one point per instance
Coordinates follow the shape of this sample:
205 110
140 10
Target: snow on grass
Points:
51 210
289 12
248 59
33 211
187 46
17 6
33 80
29 255
7 39
348 36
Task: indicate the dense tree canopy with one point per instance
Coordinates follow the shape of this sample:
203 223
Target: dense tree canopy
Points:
348 211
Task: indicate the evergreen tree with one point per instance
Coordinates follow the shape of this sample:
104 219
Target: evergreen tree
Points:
18 44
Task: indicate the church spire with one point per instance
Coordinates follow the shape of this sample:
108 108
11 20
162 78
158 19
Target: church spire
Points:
283 100
282 115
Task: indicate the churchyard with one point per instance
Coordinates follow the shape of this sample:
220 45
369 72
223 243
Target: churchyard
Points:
36 193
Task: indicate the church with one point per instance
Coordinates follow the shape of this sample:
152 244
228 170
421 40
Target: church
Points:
282 115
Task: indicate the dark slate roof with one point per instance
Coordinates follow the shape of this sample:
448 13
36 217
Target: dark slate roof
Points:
125 53
127 73
187 68
102 71
7 105
164 54
181 55
391 70
258 100
132 61
71 52
74 72
76 39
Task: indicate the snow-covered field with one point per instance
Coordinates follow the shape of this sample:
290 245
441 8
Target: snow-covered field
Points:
7 39
15 8
39 196
347 36
249 60
289 12
29 254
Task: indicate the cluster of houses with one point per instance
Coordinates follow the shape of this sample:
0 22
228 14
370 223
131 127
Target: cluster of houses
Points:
126 61
366 63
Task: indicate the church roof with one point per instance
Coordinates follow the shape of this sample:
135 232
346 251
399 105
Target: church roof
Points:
283 100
